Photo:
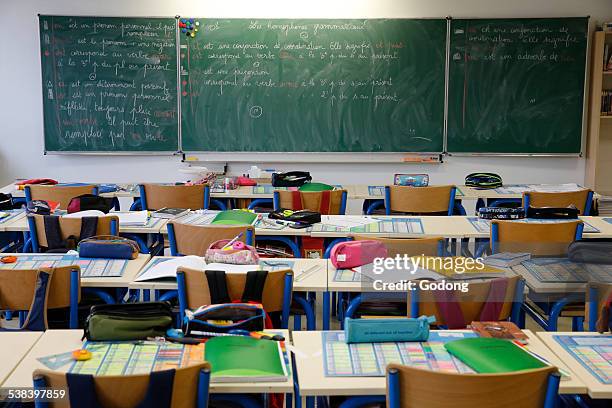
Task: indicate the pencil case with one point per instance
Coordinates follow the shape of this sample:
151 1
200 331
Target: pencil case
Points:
128 321
236 255
387 330
108 246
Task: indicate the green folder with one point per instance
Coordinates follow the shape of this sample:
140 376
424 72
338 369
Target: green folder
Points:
245 359
234 217
315 187
486 355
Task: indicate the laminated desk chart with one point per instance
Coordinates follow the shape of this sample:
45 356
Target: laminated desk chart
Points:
563 270
594 353
370 359
126 358
375 225
198 218
269 189
482 225
90 268
10 215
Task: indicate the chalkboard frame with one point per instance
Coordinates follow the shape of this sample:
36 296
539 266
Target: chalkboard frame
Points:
585 90
328 156
165 153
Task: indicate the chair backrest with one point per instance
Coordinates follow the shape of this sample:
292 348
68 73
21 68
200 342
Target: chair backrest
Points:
61 194
21 289
107 225
418 246
420 200
128 391
311 200
597 296
580 198
471 302
158 196
197 292
540 239
186 239
410 387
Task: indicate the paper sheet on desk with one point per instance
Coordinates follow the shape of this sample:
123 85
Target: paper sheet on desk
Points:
166 268
409 271
136 218
347 221
555 188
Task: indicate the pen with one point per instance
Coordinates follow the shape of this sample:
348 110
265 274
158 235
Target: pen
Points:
232 241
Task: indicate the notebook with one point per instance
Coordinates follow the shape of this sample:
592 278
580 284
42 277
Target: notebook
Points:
245 359
488 355
506 259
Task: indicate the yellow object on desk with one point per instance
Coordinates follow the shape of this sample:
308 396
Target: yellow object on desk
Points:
456 266
81 355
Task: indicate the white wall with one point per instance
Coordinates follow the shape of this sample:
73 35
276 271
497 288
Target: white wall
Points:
21 147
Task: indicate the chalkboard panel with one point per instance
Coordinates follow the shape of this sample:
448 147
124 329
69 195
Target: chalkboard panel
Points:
516 85
313 85
109 84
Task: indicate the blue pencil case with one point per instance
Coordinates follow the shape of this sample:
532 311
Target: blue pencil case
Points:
387 330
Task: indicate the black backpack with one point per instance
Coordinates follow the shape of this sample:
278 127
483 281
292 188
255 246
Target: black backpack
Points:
90 202
6 202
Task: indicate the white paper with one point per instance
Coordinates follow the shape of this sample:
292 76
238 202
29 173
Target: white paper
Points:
347 221
132 217
167 269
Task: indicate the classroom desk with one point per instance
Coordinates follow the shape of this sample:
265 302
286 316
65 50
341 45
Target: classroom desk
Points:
13 348
8 223
62 341
305 278
595 388
313 382
129 274
154 226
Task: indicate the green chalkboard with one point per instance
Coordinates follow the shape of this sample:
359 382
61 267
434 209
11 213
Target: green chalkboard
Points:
516 85
109 84
313 85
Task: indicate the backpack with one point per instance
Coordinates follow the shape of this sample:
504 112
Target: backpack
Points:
55 243
87 202
603 321
291 179
483 180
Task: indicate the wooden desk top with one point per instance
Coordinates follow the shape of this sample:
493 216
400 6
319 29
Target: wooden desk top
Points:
13 348
129 274
595 388
309 361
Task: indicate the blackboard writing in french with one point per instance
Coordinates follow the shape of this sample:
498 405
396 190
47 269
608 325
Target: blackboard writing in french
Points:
109 83
313 85
516 85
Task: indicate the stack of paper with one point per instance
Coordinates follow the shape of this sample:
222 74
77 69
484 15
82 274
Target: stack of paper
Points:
132 218
605 206
555 188
506 259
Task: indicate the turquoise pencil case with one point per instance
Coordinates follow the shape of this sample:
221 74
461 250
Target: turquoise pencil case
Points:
387 330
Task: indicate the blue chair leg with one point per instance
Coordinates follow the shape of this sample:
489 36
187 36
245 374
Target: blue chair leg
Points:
307 307
356 402
578 323
106 297
326 310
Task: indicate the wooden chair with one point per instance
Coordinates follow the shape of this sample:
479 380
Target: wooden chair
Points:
189 388
20 290
582 199
186 239
107 225
61 194
597 295
431 200
540 239
156 196
505 302
331 202
409 387
193 290
433 246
